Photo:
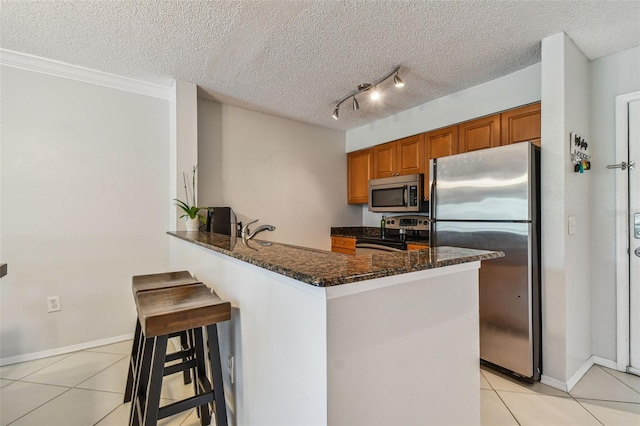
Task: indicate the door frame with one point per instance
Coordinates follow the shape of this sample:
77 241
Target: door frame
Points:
622 230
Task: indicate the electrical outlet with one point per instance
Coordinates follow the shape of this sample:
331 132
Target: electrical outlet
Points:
53 304
231 367
376 217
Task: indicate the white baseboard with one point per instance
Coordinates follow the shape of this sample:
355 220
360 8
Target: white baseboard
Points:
605 362
554 383
64 350
581 372
566 387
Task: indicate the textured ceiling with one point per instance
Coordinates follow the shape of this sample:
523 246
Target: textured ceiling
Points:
297 59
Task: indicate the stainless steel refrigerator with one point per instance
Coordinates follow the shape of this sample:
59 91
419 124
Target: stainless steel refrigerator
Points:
489 199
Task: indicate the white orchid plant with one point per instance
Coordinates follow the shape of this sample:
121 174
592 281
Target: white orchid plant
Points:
190 206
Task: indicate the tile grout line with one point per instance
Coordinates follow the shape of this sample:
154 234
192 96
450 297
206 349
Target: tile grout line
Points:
500 398
619 379
64 356
587 410
44 403
67 387
90 377
108 414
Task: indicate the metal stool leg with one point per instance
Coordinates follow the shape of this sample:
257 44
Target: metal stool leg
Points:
133 362
184 342
216 375
152 400
140 384
201 382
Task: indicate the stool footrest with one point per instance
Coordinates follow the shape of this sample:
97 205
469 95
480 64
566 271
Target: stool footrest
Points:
177 368
178 355
185 404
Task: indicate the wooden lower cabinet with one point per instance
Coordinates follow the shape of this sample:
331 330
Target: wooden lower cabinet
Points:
521 125
416 247
343 245
438 143
482 133
359 171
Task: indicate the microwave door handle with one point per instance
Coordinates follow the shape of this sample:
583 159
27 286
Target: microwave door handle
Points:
405 195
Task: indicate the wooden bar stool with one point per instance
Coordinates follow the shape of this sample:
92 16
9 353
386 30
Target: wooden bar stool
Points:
156 282
161 313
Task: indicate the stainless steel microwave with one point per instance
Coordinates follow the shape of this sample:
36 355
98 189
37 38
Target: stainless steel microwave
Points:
397 194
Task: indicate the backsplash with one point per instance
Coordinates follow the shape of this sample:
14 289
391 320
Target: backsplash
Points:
373 219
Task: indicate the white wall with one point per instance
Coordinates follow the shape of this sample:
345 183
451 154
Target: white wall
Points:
513 90
565 272
288 174
610 76
183 146
84 206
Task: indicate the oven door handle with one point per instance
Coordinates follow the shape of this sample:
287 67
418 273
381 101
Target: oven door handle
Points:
377 247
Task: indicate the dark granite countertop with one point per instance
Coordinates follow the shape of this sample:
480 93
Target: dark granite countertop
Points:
324 268
355 231
374 232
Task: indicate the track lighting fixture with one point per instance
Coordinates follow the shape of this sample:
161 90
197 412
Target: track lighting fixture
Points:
375 93
397 81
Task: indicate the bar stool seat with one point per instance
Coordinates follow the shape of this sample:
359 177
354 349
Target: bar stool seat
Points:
162 280
156 282
161 313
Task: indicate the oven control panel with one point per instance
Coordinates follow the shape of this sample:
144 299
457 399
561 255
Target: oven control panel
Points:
409 223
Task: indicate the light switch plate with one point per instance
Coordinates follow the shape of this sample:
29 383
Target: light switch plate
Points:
572 225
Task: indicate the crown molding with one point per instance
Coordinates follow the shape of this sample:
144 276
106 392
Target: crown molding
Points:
28 62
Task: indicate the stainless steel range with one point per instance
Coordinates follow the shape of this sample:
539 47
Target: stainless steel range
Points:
397 233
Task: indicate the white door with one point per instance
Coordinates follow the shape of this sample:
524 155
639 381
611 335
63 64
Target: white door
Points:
627 178
634 237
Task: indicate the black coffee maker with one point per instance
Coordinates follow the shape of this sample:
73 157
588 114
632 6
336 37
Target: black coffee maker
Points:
221 220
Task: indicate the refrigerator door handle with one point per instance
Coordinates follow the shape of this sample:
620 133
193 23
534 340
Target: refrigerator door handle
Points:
432 208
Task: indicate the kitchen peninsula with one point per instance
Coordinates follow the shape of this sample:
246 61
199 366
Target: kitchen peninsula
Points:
324 338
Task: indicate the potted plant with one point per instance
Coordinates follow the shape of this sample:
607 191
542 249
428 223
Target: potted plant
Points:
190 206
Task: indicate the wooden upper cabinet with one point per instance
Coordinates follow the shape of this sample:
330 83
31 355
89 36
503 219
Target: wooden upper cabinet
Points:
480 134
359 171
442 142
384 160
401 157
410 152
521 125
438 143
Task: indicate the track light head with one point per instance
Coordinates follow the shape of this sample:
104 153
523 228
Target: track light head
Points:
335 113
397 81
375 94
356 105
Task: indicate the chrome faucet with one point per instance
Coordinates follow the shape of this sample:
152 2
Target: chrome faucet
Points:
247 234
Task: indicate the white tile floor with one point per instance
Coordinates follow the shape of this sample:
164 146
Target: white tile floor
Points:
86 388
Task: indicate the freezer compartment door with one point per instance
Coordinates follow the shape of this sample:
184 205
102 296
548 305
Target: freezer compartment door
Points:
489 184
509 291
